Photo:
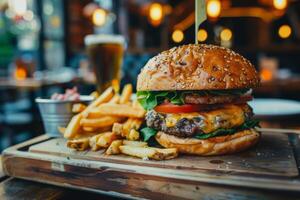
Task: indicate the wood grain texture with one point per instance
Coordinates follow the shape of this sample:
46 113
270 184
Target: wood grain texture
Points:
260 160
131 185
128 180
13 188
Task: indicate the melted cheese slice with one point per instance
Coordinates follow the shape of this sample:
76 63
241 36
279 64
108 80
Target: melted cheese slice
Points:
226 117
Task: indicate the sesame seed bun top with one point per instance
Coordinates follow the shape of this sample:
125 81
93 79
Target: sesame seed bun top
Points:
197 67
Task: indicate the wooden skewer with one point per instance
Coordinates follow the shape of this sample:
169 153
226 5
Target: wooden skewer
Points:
278 130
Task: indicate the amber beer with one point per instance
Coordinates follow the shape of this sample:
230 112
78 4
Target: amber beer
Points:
105 53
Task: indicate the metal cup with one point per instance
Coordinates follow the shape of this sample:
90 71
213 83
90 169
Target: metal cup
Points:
57 113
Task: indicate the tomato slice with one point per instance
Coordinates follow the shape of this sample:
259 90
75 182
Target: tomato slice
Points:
186 108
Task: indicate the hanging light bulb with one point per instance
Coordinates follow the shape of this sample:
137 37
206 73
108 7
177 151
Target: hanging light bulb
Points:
280 4
156 11
156 14
213 8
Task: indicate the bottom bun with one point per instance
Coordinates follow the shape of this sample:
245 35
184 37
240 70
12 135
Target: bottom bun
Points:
213 146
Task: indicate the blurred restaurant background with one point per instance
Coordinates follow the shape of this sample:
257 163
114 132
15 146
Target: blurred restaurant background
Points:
42 49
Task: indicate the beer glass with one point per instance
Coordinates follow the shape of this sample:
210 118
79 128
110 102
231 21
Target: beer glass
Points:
105 54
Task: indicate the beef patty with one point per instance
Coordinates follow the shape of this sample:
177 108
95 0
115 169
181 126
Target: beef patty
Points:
202 122
209 99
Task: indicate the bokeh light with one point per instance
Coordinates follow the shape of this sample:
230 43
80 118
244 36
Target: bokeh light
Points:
226 34
280 4
156 11
202 35
213 8
20 73
266 75
99 17
19 7
177 36
284 31
156 14
28 15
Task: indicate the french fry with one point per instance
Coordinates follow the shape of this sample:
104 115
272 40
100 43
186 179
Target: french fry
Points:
78 107
135 143
136 104
91 131
115 99
131 123
118 110
114 147
61 130
104 129
73 127
136 124
133 135
165 154
100 122
125 129
103 98
93 142
149 152
88 129
95 94
79 144
117 128
126 94
115 85
106 139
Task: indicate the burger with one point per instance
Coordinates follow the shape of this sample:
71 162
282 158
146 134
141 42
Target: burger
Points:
196 100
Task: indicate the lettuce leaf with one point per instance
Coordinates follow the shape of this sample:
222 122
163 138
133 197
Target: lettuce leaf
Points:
218 132
150 99
147 133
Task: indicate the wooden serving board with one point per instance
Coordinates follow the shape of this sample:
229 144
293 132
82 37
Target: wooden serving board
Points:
272 164
272 156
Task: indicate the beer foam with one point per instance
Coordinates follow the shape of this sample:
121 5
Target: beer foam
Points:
104 39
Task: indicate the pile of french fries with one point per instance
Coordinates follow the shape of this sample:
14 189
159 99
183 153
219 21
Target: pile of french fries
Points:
112 122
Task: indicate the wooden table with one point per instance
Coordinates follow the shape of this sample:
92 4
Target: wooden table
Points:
27 84
279 88
14 188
